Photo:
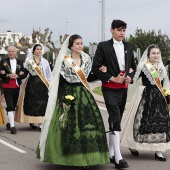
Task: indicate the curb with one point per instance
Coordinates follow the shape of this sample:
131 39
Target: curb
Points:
99 101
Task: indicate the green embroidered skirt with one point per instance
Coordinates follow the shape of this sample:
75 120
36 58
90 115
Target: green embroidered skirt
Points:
82 142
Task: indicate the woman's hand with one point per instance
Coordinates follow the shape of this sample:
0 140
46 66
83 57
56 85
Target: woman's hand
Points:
169 106
103 69
21 73
2 72
131 70
1 97
64 105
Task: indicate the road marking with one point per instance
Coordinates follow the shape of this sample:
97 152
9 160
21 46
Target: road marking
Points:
102 108
13 147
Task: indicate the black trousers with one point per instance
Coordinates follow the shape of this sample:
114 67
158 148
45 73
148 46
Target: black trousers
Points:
11 98
115 100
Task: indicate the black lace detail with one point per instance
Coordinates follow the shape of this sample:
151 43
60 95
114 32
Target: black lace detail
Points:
152 123
85 131
36 97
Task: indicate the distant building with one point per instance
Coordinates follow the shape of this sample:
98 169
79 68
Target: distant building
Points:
9 41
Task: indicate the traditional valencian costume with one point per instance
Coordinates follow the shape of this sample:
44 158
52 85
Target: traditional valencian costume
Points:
81 140
146 123
34 94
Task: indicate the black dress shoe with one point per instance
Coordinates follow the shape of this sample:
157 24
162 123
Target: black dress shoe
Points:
160 158
13 130
33 126
39 129
8 127
86 167
134 152
122 164
112 160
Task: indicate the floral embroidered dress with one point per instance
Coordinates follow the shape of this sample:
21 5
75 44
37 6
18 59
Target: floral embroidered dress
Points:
82 142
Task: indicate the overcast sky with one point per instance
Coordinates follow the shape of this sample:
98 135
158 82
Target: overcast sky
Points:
83 16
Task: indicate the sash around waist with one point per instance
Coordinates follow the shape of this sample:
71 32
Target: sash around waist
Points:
115 85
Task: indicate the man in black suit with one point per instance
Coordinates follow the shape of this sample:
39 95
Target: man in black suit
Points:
11 73
116 56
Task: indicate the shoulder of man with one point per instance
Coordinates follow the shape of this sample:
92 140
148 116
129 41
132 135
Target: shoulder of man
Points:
19 61
106 42
127 45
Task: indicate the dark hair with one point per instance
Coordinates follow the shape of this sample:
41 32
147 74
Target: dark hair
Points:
35 46
150 48
118 24
72 39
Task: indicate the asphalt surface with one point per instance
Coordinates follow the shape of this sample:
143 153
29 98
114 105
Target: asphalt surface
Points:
27 140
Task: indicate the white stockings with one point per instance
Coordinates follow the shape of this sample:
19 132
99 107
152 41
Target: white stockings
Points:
11 118
114 146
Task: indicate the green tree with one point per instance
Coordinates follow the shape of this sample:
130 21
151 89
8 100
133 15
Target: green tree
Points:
142 39
86 49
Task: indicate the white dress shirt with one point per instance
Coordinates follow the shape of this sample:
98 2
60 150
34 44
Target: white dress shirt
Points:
13 63
120 53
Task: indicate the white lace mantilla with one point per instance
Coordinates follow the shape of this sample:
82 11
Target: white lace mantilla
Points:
149 76
70 75
43 66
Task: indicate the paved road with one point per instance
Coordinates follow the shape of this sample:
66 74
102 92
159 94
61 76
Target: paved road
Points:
27 139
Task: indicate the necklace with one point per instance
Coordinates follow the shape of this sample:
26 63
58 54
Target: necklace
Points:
38 63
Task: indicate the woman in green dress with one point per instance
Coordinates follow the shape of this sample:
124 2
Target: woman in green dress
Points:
73 134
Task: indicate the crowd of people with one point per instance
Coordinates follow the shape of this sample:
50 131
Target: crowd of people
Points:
71 125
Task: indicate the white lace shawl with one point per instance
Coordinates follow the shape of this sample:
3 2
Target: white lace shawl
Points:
44 66
70 75
149 76
161 71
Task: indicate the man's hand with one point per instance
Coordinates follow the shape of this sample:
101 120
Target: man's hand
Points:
118 79
13 76
128 80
